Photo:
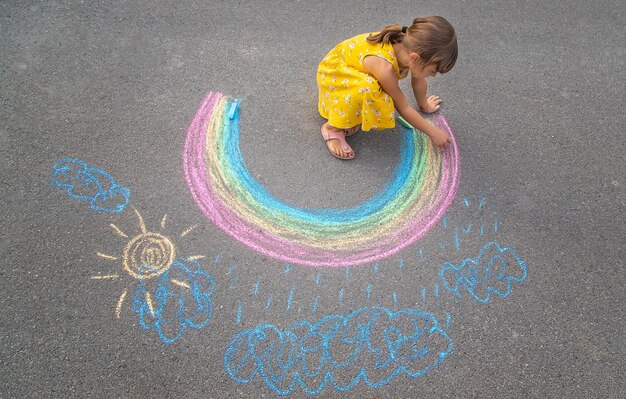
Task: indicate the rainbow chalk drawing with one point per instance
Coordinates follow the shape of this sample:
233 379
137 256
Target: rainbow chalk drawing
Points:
494 270
412 201
94 185
372 345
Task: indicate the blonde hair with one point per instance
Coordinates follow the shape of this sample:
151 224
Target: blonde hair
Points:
432 38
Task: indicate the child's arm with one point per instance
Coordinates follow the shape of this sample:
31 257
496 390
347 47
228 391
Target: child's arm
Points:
420 89
387 77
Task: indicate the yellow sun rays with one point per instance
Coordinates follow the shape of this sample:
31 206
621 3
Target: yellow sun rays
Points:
142 224
181 284
106 256
118 307
144 257
119 232
107 277
184 233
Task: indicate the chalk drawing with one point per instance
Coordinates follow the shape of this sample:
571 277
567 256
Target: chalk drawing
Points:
481 203
94 185
372 345
316 302
290 299
180 300
171 293
256 287
494 270
239 311
413 200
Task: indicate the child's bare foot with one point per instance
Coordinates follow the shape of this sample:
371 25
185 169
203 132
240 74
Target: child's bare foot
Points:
336 140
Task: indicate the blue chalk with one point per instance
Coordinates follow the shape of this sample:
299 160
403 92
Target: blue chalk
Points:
290 299
232 112
315 303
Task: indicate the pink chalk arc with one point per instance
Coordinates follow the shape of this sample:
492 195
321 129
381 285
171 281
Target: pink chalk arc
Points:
416 197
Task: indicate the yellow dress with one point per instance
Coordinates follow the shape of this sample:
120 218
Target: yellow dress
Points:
348 94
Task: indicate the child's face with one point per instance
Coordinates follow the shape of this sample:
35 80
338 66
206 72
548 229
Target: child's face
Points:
423 71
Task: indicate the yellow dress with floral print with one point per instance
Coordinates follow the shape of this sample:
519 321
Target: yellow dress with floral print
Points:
348 94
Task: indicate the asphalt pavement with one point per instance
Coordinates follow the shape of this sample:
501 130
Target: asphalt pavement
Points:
147 252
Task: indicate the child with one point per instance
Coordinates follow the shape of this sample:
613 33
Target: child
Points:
358 80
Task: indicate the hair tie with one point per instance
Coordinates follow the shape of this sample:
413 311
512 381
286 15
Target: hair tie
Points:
404 29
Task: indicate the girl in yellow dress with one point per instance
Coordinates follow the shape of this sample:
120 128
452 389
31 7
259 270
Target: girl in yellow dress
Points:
358 80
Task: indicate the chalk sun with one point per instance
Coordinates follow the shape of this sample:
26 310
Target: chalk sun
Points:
145 257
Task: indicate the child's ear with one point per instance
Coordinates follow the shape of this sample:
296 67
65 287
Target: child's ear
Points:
414 57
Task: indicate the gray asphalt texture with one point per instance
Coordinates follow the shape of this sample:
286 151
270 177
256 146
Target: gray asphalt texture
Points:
536 102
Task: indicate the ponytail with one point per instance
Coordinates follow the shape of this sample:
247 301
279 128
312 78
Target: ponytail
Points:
391 34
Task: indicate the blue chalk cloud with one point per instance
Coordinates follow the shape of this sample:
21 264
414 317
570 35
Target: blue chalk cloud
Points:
90 184
181 300
493 271
372 345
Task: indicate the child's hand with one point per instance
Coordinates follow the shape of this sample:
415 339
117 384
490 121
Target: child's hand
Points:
432 104
439 137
